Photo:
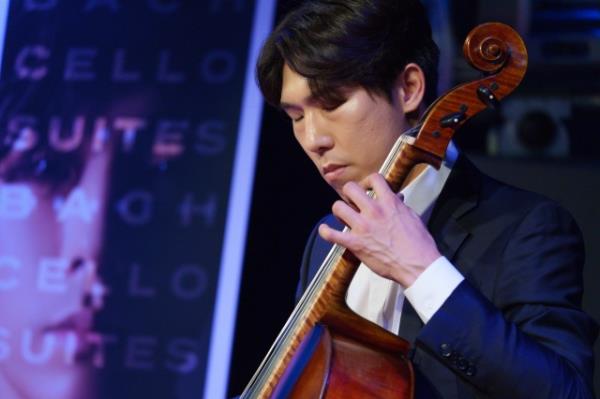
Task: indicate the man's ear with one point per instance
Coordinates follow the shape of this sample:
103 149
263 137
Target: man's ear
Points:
410 88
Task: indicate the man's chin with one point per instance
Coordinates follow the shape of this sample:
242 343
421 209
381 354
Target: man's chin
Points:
340 193
48 381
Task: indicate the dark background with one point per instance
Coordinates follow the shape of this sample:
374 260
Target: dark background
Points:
561 92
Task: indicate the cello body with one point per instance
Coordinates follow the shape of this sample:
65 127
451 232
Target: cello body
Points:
337 363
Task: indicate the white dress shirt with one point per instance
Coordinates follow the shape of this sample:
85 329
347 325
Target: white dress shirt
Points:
380 300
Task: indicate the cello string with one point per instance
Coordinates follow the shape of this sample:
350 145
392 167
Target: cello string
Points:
307 300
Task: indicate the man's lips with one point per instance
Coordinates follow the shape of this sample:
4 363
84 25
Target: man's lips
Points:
332 172
80 322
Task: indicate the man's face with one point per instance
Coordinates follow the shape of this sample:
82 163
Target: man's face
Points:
346 143
49 249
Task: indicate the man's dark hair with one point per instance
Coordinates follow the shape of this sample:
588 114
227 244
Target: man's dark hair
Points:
349 43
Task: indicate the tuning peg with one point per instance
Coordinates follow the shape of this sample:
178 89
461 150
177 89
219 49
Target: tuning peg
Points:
487 96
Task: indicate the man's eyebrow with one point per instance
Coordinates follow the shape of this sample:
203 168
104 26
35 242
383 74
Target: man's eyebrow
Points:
287 106
309 100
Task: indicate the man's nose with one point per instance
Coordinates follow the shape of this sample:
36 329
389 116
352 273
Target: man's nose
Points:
82 257
82 232
318 139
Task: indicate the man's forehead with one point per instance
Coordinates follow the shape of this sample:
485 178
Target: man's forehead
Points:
294 88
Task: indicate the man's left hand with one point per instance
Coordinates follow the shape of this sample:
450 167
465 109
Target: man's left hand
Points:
385 234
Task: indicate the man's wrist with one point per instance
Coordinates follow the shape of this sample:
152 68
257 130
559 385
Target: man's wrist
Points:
407 277
433 286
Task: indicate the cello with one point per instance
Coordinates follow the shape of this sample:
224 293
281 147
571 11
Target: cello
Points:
325 350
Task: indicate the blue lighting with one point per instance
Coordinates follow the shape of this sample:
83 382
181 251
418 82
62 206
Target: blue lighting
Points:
238 210
3 17
585 14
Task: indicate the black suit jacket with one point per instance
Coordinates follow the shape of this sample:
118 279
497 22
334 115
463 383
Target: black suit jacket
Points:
514 328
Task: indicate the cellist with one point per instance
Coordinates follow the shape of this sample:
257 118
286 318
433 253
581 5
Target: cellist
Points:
483 279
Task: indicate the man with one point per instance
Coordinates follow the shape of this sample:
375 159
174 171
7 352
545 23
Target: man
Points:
490 291
51 289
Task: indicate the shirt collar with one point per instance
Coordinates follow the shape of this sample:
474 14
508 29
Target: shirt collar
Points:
421 193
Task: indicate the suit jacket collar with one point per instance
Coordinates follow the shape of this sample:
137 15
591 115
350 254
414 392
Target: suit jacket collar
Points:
459 196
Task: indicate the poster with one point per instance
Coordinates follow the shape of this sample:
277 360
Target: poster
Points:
120 126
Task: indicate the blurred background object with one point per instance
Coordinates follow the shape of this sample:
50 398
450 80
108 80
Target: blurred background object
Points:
127 141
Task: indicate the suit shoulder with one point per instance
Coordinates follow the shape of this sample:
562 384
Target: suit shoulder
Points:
500 205
504 198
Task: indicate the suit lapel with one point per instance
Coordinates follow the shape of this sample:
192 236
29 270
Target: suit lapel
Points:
459 196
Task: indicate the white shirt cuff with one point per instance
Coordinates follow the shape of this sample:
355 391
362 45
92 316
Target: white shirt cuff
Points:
431 289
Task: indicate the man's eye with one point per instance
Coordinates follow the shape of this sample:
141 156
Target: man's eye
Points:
332 106
51 171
